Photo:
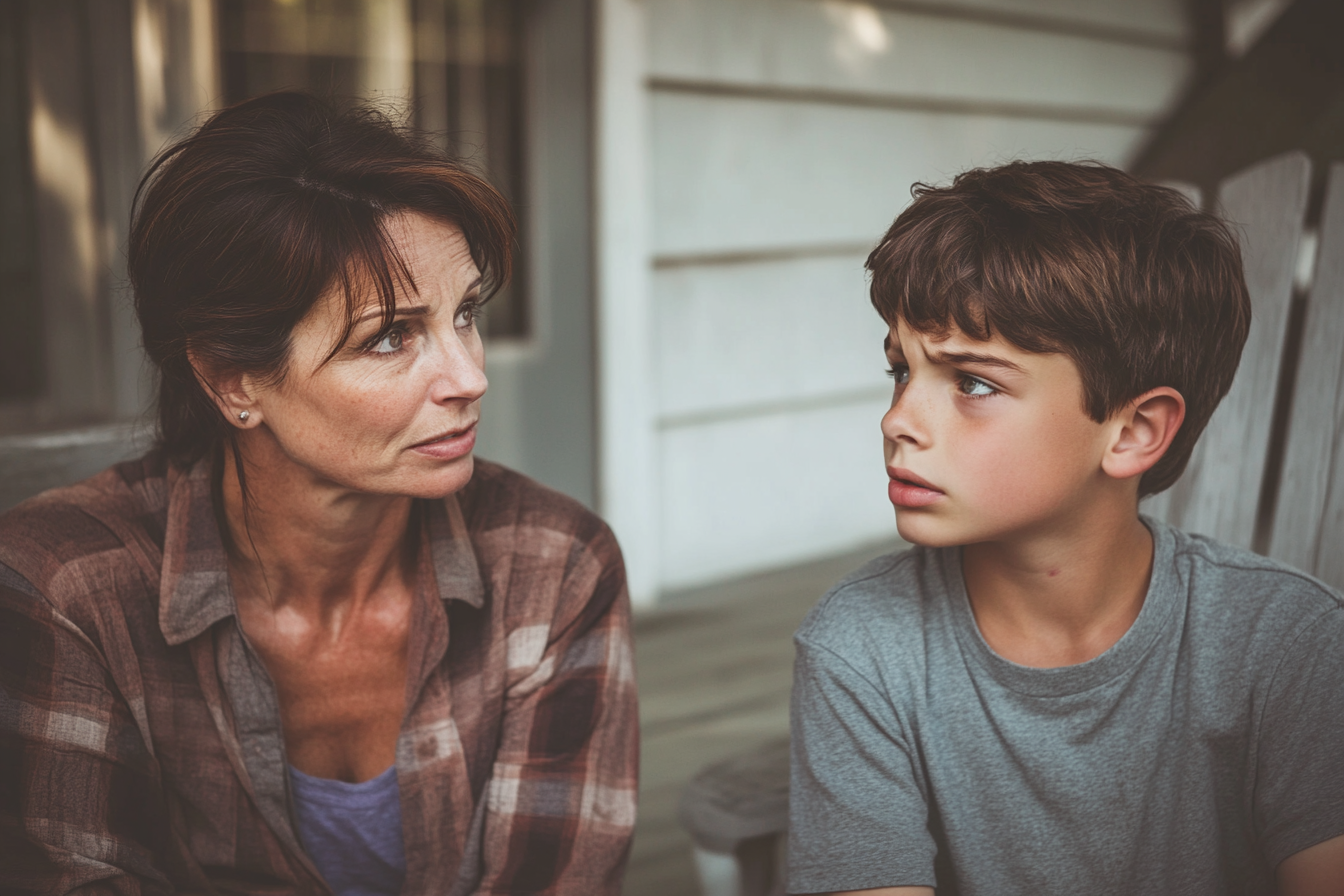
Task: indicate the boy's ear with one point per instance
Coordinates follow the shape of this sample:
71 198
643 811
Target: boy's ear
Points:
1143 433
233 392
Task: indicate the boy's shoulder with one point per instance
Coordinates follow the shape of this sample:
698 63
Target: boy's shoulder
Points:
1245 572
1227 601
1241 600
875 609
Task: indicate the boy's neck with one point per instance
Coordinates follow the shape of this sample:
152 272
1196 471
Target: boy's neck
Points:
1065 597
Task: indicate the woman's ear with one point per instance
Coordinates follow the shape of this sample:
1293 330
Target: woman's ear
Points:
233 392
1143 433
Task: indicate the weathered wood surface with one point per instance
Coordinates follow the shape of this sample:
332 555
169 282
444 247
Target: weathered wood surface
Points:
1308 527
1219 493
715 667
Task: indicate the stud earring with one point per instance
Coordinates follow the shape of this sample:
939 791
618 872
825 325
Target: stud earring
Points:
243 415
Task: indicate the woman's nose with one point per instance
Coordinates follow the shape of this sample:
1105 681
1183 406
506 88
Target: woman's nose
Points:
461 373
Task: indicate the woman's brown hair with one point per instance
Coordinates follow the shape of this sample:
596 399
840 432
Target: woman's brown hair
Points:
1134 284
238 229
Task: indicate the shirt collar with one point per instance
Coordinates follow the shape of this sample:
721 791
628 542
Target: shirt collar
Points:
194 591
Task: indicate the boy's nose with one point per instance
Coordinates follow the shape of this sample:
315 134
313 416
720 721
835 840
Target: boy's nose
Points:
903 421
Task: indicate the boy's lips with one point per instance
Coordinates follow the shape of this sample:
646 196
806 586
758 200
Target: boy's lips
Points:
909 490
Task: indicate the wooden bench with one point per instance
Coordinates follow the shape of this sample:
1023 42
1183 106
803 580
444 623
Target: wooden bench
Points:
34 463
1268 473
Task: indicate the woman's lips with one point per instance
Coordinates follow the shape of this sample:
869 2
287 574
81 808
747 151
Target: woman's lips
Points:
447 447
908 490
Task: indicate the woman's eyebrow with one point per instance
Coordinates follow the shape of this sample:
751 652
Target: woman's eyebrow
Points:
402 311
975 358
413 310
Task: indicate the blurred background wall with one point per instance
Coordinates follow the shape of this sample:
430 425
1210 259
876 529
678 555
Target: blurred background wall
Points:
785 137
688 347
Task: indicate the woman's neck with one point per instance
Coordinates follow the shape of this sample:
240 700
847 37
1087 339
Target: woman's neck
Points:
310 545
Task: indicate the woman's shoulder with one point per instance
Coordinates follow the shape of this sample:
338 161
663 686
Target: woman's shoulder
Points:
90 526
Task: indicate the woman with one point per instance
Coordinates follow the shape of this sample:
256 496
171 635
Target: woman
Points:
308 642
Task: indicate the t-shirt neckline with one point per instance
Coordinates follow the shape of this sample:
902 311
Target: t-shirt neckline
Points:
1158 603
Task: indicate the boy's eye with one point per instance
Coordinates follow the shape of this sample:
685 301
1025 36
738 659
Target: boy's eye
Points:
900 373
975 388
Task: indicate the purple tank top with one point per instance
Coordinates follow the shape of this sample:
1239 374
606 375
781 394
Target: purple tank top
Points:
352 832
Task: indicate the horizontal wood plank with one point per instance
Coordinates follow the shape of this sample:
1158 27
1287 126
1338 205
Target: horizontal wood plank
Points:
734 335
1156 19
735 175
762 491
859 48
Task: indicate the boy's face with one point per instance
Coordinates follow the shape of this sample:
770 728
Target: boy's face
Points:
985 441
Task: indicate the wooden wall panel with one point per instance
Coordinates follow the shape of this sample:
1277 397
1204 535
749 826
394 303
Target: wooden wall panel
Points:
733 174
914 57
1160 20
765 491
1220 491
1309 519
739 335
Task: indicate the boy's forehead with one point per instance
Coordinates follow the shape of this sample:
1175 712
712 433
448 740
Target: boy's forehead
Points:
901 334
953 345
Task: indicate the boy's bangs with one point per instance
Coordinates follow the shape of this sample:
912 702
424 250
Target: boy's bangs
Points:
938 300
940 279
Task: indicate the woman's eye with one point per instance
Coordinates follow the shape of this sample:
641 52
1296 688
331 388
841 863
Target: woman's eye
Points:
900 373
391 342
467 315
976 388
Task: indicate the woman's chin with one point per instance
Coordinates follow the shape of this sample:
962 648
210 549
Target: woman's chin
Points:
440 483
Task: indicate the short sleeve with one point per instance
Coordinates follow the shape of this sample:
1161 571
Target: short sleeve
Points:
858 817
1299 793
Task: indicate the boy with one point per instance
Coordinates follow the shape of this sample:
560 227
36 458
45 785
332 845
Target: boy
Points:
1050 694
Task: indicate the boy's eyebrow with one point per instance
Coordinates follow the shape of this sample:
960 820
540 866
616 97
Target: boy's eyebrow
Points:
975 358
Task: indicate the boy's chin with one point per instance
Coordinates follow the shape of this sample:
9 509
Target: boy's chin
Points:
920 529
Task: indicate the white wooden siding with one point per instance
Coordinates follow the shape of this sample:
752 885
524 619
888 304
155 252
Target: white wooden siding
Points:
784 137
734 338
810 45
734 173
773 489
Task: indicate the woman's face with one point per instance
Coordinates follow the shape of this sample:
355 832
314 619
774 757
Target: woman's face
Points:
392 412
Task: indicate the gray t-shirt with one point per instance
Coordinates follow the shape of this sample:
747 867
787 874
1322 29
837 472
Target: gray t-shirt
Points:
1202 749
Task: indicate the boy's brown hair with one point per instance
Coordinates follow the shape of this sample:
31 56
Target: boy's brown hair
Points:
1127 278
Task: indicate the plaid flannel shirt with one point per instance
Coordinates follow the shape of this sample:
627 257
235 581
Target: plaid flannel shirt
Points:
140 737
